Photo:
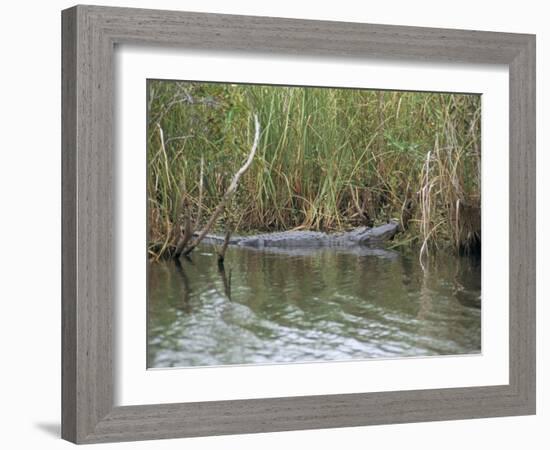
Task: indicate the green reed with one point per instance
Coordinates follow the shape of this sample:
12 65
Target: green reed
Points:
328 159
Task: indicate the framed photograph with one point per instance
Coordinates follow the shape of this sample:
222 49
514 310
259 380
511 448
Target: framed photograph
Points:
277 224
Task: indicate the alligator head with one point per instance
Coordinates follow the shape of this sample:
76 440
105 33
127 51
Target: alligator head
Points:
365 235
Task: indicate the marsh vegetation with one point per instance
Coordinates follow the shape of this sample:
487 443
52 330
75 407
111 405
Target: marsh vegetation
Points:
248 159
327 160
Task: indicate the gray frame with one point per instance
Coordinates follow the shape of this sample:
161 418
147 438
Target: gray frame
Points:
89 34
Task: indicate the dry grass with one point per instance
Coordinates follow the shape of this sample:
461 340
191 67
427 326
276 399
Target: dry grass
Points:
328 159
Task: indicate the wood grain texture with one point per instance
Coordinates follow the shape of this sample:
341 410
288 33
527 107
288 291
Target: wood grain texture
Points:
68 224
89 36
522 267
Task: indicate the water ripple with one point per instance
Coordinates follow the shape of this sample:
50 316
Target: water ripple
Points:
272 308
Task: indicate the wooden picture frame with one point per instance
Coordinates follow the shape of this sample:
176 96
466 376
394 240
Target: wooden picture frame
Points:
89 35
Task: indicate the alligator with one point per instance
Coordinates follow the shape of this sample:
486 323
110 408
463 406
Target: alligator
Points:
361 236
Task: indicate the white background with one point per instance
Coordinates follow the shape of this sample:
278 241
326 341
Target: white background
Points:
134 385
30 225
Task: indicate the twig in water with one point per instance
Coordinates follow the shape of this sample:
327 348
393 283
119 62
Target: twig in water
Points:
186 231
223 248
230 190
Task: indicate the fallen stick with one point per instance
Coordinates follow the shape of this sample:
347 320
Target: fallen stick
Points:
186 233
230 191
223 248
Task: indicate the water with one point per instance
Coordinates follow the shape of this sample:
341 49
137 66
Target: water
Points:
310 305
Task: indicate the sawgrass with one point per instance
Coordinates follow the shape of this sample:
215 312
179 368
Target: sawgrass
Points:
328 159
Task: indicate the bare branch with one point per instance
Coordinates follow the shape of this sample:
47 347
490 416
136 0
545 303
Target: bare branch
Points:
230 190
223 248
186 232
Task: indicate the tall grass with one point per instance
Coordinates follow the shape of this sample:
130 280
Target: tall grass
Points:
328 159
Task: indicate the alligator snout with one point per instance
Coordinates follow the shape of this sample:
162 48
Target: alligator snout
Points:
379 234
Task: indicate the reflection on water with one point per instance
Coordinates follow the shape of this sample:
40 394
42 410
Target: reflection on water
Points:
311 306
